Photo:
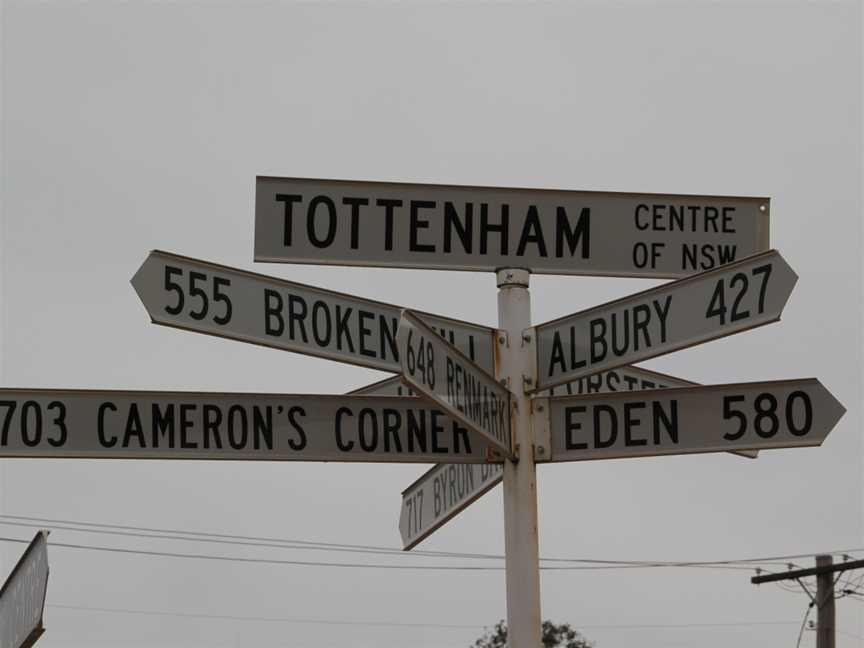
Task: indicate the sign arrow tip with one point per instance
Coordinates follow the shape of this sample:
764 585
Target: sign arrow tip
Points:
139 282
834 409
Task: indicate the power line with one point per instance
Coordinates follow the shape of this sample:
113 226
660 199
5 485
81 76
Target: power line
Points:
311 563
243 543
803 624
259 619
221 538
261 541
303 563
233 617
264 561
648 626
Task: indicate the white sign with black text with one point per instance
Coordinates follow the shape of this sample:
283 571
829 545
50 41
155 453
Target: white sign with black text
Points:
715 418
707 306
217 300
451 227
441 373
212 425
440 494
22 598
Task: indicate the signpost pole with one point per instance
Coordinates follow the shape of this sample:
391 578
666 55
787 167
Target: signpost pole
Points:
516 365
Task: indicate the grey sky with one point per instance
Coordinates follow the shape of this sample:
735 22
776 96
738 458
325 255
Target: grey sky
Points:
133 126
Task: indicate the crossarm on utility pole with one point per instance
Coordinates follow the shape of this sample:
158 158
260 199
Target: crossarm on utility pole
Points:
810 571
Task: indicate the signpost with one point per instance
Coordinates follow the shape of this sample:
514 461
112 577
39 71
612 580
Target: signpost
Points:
446 227
716 418
463 394
440 372
200 425
707 306
217 300
22 597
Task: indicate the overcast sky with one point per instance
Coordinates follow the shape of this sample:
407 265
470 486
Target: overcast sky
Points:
133 126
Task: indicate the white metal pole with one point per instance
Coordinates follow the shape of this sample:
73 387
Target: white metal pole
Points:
516 364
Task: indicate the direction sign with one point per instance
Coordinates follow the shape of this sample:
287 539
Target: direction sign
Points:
446 227
441 493
716 418
440 372
392 386
217 300
22 598
702 307
448 489
627 378
200 425
621 379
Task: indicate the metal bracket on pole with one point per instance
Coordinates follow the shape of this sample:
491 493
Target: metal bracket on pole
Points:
495 456
529 345
514 418
540 429
513 277
502 344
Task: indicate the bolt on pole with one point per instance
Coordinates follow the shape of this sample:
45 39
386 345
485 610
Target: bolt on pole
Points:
516 366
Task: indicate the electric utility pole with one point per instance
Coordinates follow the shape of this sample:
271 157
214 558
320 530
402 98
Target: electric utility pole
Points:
824 603
824 598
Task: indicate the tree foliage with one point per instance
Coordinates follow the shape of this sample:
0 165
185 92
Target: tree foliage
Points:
552 636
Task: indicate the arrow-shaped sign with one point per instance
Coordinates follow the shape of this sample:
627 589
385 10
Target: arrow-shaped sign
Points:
621 379
217 300
716 418
679 314
22 597
200 425
440 494
392 386
447 377
628 378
